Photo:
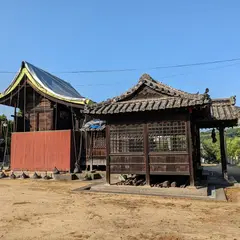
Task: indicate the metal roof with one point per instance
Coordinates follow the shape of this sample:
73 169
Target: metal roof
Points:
52 83
47 84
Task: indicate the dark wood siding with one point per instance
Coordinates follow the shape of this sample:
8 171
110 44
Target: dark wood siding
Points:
166 144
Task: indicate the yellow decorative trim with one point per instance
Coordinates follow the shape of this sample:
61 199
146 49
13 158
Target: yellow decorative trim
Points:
23 72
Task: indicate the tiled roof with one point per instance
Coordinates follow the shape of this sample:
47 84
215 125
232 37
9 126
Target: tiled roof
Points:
144 105
160 87
170 98
224 109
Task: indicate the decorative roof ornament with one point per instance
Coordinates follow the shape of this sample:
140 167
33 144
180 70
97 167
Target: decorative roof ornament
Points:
206 96
144 77
233 100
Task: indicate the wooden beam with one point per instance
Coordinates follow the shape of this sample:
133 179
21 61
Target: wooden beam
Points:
190 151
223 152
108 169
146 151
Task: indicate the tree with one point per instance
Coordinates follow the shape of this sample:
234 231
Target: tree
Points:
3 118
210 150
233 147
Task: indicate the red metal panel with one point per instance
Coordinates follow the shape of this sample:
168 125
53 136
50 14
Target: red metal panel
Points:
40 151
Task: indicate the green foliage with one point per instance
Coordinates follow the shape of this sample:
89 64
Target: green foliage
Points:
211 151
19 113
3 118
6 128
233 147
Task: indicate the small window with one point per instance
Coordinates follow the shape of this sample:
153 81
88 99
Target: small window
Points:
167 136
126 138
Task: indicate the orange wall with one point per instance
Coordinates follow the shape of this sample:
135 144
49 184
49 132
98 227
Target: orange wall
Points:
40 151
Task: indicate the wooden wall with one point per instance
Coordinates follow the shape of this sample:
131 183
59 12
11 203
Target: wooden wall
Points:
96 148
39 112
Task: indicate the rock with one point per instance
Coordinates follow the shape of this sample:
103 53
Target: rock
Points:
3 175
95 176
166 184
36 176
12 176
55 171
123 177
173 184
24 176
88 176
77 170
46 177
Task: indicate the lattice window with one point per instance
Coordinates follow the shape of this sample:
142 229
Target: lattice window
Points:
168 136
99 139
126 138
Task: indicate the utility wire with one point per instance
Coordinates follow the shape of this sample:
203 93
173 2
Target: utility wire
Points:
137 69
154 68
158 79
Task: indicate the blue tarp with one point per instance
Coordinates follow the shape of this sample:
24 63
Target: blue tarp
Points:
52 83
94 125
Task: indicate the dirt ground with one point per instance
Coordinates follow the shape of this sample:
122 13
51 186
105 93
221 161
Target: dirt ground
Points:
50 210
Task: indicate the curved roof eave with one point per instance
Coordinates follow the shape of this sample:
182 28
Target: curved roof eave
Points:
37 83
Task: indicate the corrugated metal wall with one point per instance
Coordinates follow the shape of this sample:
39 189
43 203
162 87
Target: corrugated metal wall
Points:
41 151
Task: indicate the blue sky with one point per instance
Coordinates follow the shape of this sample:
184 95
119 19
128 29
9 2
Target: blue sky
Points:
88 35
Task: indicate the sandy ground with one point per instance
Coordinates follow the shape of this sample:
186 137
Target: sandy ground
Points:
50 210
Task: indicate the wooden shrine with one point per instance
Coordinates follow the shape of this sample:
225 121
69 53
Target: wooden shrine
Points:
153 129
47 104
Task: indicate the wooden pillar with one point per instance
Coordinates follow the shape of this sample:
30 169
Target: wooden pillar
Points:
37 122
15 118
24 108
223 152
146 157
91 150
108 169
56 116
198 145
190 151
77 125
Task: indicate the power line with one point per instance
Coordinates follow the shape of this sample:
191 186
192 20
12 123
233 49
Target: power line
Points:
154 68
138 69
159 79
